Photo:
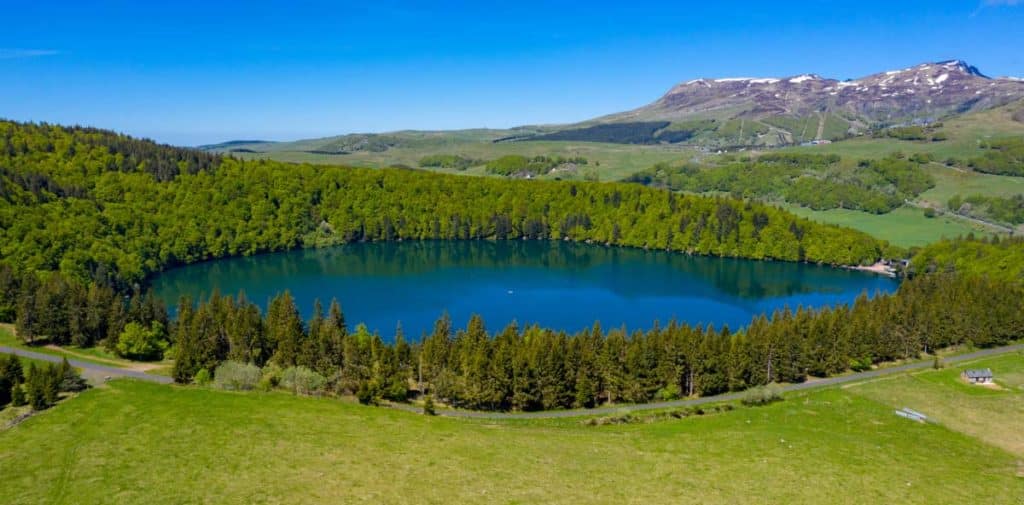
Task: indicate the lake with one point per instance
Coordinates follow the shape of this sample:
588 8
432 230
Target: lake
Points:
558 285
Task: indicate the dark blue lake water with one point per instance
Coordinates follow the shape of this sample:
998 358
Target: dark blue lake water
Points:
555 284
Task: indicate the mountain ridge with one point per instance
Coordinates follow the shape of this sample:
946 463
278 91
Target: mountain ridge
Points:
746 111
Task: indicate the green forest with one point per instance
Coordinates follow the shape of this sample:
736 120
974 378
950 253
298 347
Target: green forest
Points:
817 181
448 161
994 208
97 206
88 215
515 164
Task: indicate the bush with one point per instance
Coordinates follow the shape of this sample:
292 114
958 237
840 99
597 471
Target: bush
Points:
367 393
202 378
141 343
929 212
860 365
428 406
668 393
235 376
761 395
301 380
271 377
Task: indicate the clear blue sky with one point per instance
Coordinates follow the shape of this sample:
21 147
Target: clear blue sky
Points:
190 73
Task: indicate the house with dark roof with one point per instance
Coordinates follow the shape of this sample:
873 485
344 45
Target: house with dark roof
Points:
978 376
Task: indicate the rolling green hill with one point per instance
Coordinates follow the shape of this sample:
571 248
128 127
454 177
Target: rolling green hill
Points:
130 442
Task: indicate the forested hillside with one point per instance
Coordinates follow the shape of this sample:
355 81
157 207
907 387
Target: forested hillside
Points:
104 207
86 216
995 258
815 181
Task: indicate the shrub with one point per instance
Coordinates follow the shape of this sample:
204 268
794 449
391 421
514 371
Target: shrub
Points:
235 376
301 380
367 393
761 395
929 212
428 406
271 377
202 378
141 343
667 393
860 365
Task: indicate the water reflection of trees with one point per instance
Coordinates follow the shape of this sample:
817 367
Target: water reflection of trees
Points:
628 272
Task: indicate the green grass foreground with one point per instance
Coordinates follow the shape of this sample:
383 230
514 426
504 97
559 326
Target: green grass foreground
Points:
131 442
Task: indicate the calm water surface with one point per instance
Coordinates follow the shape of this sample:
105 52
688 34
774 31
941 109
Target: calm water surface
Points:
558 285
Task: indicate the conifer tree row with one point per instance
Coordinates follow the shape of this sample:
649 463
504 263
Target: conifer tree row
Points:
534 368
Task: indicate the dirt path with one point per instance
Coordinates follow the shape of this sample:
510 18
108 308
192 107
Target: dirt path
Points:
127 365
92 369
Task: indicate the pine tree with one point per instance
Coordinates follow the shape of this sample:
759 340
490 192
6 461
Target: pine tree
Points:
285 329
69 379
18 394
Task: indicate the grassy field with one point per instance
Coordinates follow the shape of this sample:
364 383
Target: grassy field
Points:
950 181
131 442
904 227
607 161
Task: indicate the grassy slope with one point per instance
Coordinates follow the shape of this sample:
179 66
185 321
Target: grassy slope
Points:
989 414
139 443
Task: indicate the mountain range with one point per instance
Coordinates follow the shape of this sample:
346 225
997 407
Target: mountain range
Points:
738 111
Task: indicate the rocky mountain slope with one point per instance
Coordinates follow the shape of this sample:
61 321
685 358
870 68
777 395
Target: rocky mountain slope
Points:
808 107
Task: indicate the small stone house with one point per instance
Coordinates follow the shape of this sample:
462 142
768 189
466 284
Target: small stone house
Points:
978 376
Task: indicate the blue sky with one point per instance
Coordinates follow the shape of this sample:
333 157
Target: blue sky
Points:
190 73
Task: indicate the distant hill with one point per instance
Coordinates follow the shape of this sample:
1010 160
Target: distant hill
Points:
726 112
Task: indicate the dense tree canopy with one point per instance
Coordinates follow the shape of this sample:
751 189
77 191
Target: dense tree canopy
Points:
998 258
994 208
811 180
105 216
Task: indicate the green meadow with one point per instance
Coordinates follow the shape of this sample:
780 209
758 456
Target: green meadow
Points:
133 442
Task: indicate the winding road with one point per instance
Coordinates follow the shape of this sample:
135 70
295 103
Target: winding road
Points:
114 372
93 368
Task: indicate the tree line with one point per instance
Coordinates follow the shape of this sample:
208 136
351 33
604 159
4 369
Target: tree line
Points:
997 208
1001 157
106 219
534 368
